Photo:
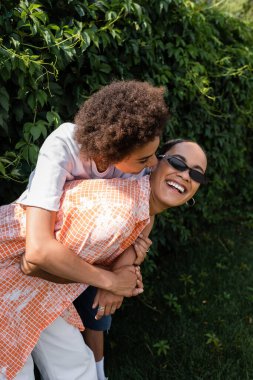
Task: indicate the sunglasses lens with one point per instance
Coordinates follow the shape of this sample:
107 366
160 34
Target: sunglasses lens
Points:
177 164
197 176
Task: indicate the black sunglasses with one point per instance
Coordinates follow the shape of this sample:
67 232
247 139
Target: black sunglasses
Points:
180 165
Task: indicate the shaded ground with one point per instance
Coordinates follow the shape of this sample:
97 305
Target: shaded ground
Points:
198 321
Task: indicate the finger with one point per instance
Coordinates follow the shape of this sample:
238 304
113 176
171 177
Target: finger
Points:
138 261
138 248
139 277
141 250
137 291
146 239
144 243
108 310
100 312
141 245
138 273
139 284
96 300
113 309
139 258
119 305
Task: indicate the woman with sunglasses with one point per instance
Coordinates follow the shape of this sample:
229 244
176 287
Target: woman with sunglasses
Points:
98 220
178 161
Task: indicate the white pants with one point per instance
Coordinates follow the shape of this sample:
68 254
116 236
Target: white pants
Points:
60 354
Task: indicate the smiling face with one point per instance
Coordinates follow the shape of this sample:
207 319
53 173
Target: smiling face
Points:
171 187
142 157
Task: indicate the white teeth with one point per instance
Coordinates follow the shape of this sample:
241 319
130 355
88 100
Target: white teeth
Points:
176 185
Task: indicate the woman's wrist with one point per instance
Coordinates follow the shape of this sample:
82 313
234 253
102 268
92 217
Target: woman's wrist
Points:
127 258
104 279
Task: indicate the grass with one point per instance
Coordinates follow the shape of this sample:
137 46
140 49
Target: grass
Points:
197 321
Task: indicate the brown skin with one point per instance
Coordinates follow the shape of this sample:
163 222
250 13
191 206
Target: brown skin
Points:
141 157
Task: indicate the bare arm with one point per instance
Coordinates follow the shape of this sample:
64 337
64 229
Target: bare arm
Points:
34 270
132 255
45 252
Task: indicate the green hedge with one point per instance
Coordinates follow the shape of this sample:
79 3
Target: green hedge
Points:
54 54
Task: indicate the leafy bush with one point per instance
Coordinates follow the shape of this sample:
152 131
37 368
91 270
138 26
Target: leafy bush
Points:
53 55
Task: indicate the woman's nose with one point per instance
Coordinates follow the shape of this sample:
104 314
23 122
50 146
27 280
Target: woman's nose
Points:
185 175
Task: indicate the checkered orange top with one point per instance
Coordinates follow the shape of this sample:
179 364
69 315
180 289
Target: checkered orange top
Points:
98 220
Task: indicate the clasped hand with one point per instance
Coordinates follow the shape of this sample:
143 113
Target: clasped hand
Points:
141 247
108 302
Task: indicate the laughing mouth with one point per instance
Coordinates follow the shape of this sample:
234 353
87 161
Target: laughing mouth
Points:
176 186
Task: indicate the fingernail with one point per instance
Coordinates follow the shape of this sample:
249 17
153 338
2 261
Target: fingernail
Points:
140 291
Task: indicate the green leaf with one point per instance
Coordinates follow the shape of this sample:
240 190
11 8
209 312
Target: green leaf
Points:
138 9
34 6
105 68
31 101
10 154
53 117
79 10
5 160
15 42
35 132
47 36
18 112
86 38
4 99
33 152
41 97
20 144
2 169
25 153
41 16
54 27
110 15
16 173
32 68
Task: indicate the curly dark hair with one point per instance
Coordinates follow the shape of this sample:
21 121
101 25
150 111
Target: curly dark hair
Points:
119 118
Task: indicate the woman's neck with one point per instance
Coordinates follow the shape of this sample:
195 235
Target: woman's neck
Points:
153 209
155 206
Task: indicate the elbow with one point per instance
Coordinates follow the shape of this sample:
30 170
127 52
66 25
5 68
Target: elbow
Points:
35 253
27 268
